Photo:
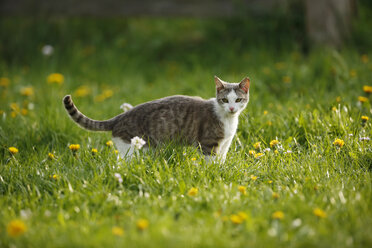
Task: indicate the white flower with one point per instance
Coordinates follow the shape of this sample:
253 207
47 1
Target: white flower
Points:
126 106
279 147
364 139
267 150
47 213
25 213
47 50
31 106
288 151
297 222
118 176
137 143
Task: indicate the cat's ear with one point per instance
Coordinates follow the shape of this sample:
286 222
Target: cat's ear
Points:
219 84
244 84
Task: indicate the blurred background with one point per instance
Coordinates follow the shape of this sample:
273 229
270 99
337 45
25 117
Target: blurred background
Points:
141 50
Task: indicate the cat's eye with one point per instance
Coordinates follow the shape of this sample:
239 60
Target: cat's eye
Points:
238 100
224 100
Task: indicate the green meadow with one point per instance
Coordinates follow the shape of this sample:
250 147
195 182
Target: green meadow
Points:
298 173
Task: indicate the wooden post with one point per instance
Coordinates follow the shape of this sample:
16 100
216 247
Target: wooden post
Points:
329 21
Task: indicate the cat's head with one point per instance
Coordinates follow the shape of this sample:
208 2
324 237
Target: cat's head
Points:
232 98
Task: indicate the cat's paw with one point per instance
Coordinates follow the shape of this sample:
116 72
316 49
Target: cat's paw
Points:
211 159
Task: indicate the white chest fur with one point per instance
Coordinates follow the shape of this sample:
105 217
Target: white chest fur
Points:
230 125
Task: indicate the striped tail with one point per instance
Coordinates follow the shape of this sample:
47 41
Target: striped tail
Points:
83 120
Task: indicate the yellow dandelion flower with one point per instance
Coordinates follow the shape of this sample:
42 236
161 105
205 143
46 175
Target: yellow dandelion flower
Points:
15 107
275 195
334 109
286 79
116 152
74 147
266 70
193 159
94 151
4 82
367 89
242 190
362 99
24 111
108 93
274 143
193 191
339 142
319 213
269 123
265 112
259 155
109 143
55 177
252 152
242 215
253 177
51 155
82 91
27 91
338 99
280 65
99 98
236 219
278 215
257 145
117 231
353 73
105 94
16 228
364 118
13 150
13 114
57 78
142 224
364 58
270 182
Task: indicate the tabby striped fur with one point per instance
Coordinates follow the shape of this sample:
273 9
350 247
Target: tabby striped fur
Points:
84 121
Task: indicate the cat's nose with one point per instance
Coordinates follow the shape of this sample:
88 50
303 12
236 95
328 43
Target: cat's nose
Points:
231 109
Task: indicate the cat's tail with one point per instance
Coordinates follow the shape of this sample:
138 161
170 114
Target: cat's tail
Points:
84 121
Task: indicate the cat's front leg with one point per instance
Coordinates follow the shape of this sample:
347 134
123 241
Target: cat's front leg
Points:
223 148
210 150
210 159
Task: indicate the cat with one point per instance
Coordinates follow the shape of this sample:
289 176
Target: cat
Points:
208 124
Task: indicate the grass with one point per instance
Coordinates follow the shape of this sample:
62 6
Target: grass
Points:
316 195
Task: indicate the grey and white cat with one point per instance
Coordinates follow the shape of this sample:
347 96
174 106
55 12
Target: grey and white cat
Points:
209 124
